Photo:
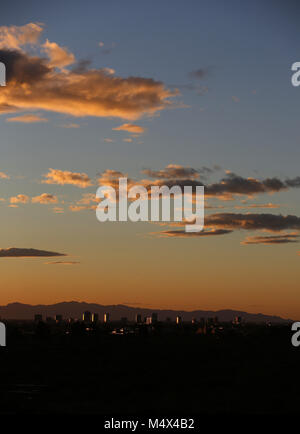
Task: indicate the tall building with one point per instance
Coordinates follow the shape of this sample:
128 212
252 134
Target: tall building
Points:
58 318
86 316
106 318
38 317
138 318
95 317
178 320
154 317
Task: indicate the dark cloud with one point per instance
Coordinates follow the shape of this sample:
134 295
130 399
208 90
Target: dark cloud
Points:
228 186
270 222
235 184
199 73
15 252
183 234
176 171
293 182
21 68
81 66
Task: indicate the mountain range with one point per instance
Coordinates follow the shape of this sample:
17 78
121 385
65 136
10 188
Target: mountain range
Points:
75 309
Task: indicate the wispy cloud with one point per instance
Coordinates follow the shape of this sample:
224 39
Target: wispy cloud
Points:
63 263
183 234
70 125
199 73
273 239
131 128
27 119
58 210
258 205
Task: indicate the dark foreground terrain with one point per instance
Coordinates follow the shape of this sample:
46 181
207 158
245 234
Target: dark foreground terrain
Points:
178 373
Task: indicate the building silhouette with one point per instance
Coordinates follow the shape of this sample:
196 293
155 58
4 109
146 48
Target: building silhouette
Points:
58 318
95 318
86 316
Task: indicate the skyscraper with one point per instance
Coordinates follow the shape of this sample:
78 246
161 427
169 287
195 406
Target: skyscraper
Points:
58 318
95 318
86 316
154 317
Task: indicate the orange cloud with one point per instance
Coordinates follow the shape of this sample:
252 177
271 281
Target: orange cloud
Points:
63 177
87 198
20 198
131 128
258 205
4 175
44 198
14 37
58 56
34 83
77 208
27 119
71 125
90 93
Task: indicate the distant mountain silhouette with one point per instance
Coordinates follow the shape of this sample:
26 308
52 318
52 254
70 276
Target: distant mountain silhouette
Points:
75 309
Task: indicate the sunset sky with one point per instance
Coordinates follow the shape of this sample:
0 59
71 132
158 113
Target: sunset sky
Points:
165 92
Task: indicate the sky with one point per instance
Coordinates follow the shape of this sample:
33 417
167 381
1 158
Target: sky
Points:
159 92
